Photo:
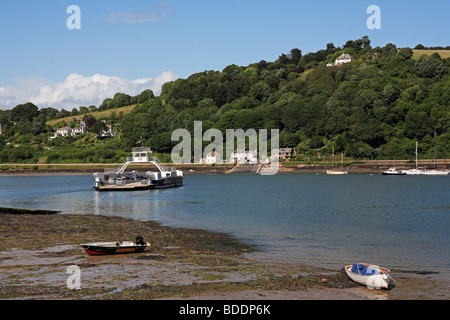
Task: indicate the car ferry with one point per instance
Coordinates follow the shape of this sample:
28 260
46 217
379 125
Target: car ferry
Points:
119 180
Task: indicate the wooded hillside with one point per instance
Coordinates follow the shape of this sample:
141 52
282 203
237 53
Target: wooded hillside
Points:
375 107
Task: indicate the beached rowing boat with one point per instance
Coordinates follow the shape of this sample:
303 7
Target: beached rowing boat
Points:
118 247
371 276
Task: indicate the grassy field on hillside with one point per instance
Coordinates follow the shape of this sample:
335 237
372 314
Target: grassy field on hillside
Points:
443 53
100 115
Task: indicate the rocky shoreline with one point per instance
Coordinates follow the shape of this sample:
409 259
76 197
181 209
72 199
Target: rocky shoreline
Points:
37 249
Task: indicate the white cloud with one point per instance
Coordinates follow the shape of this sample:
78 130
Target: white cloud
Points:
77 90
159 11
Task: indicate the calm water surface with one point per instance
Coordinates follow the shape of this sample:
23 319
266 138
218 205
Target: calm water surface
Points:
397 222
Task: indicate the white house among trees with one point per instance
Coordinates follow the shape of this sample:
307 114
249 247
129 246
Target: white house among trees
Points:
243 156
213 157
343 58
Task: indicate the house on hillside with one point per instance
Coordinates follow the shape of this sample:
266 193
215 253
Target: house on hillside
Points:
78 130
242 156
283 153
343 58
108 133
68 131
213 157
63 131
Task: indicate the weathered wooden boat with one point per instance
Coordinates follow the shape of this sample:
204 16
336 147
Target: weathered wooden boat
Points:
374 277
118 247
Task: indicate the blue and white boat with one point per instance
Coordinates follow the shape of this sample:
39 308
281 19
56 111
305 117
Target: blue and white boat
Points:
374 277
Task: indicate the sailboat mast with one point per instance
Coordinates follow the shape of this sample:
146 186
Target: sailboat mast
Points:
416 154
435 151
333 158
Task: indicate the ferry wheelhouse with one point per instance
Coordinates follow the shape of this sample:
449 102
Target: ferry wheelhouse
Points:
120 180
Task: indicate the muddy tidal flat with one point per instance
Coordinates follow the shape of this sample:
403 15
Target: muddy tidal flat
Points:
36 251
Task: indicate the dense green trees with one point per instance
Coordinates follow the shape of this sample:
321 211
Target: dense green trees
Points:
430 67
374 107
24 113
382 99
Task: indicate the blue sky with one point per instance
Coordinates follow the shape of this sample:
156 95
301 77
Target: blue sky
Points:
38 52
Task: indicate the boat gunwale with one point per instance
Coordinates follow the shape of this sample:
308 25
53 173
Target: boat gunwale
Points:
381 269
112 244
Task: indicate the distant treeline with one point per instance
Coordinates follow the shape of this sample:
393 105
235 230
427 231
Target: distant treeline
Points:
28 111
422 47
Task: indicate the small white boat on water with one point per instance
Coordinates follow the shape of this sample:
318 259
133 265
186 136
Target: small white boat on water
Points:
435 173
392 172
374 277
336 172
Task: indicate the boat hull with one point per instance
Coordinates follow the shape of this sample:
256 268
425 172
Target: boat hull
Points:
167 183
379 280
412 172
154 184
393 174
111 248
435 173
123 188
336 172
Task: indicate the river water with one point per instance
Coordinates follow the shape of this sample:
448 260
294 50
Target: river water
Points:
320 220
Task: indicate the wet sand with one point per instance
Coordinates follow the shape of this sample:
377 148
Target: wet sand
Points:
36 251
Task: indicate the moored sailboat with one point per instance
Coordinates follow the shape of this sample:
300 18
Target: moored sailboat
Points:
416 170
334 171
435 172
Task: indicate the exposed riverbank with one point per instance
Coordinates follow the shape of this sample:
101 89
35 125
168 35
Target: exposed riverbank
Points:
180 264
366 166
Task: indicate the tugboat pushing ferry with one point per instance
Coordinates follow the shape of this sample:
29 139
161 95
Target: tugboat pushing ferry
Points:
119 180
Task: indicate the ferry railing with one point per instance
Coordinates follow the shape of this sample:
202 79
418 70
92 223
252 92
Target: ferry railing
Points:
141 149
122 168
158 164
